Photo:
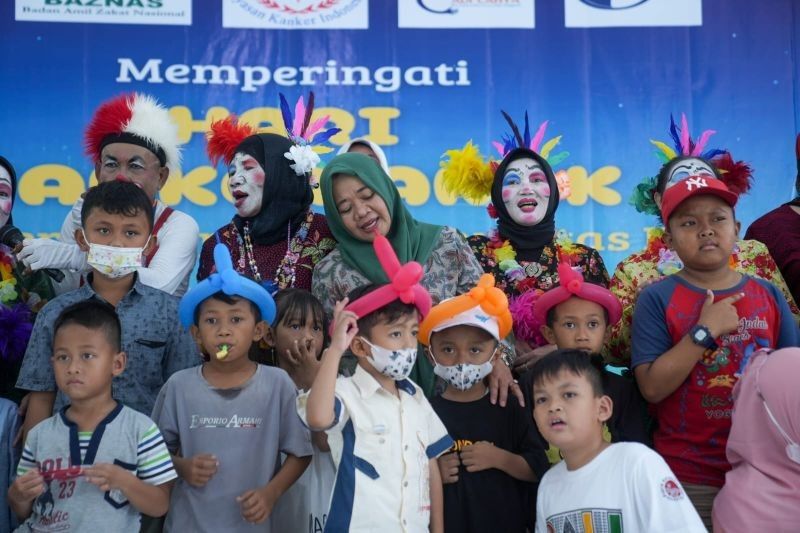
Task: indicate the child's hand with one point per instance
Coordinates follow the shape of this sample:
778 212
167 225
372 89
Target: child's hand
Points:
199 469
345 326
721 317
448 467
26 487
107 476
479 456
256 504
302 357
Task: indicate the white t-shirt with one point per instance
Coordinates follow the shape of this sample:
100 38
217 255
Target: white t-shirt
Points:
173 262
627 487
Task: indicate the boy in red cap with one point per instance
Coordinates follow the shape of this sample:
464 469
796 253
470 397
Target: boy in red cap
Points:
694 332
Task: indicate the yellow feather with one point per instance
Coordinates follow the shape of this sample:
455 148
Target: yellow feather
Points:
667 151
466 173
548 146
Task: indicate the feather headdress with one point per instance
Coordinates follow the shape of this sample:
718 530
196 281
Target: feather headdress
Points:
305 135
225 136
134 119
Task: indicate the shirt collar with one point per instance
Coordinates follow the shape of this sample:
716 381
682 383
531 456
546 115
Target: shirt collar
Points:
137 286
368 385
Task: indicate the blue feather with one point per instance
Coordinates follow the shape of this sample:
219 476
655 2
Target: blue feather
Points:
323 136
527 136
675 134
286 111
712 153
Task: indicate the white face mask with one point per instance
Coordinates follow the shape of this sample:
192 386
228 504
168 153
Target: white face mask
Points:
792 448
396 364
463 376
112 261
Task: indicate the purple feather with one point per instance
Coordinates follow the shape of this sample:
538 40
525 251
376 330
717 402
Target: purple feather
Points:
518 137
286 111
325 135
309 110
526 138
16 324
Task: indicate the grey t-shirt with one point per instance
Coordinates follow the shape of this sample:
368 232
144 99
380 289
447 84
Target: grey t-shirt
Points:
70 503
245 428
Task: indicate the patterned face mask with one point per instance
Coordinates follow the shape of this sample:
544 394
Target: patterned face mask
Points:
396 364
113 261
463 376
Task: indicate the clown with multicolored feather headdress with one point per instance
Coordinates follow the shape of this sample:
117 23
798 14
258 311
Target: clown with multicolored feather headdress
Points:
274 238
524 250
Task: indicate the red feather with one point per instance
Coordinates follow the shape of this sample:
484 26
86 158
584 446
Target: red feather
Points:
225 136
110 118
736 175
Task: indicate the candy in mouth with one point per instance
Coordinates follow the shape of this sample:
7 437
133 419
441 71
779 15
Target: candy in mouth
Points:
223 352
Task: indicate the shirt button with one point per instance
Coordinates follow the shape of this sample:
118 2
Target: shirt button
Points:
405 484
406 446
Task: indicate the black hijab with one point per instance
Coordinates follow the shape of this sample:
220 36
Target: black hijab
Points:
528 241
10 168
286 195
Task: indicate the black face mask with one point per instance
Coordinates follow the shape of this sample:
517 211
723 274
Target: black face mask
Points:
286 196
528 241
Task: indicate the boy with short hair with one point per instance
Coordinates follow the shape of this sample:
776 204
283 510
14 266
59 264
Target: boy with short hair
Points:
496 451
694 332
577 315
383 433
598 486
227 421
117 220
96 465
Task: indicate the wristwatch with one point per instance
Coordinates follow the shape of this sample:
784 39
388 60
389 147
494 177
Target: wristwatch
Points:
701 336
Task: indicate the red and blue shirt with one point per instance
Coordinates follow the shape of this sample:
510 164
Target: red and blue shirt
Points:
694 421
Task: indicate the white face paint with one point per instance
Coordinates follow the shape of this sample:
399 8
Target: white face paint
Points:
6 198
689 167
246 184
526 192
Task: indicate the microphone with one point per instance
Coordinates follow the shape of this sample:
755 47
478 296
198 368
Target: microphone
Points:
11 236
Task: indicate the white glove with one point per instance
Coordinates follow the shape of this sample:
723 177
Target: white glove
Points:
47 253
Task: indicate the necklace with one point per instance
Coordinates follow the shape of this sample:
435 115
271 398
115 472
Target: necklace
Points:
506 259
286 272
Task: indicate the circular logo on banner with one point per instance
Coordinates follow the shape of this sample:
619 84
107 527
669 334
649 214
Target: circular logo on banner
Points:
440 7
299 7
613 4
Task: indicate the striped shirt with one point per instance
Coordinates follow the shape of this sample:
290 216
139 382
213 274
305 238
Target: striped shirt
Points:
125 438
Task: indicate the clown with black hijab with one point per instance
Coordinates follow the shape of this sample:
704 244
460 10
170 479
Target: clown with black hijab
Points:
524 250
274 238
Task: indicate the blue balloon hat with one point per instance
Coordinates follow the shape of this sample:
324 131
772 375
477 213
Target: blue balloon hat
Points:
230 282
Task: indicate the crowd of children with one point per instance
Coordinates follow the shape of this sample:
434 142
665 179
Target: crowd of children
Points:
151 413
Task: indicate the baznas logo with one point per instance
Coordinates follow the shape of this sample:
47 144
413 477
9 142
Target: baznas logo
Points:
612 4
440 7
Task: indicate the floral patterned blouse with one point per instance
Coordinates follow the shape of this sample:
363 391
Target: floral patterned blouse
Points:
656 261
318 243
450 270
539 275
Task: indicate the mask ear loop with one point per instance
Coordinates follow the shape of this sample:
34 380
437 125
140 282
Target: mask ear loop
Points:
792 448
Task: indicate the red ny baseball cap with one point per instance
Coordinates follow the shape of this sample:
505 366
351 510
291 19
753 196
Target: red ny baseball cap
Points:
694 186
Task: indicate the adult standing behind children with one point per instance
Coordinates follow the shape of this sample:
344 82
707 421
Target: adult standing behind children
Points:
132 138
96 464
522 251
227 421
117 221
275 237
694 332
361 200
686 157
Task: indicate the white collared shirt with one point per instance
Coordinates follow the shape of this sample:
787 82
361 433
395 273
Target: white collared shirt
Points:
381 445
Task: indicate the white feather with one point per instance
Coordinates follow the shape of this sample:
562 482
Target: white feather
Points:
151 121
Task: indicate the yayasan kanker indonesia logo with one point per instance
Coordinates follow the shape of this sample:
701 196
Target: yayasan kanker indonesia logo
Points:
613 4
299 7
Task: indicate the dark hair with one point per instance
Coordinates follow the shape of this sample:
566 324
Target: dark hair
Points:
95 315
551 313
118 198
300 305
230 300
576 362
389 313
6 164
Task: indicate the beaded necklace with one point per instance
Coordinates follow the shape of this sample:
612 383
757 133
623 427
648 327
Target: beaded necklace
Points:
286 271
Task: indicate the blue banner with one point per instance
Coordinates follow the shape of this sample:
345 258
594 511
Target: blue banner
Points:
415 91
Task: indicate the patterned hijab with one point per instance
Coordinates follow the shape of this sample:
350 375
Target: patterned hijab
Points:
412 240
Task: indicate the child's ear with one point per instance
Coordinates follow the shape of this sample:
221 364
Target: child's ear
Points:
359 347
260 331
604 408
119 363
79 238
548 333
152 242
269 336
667 237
